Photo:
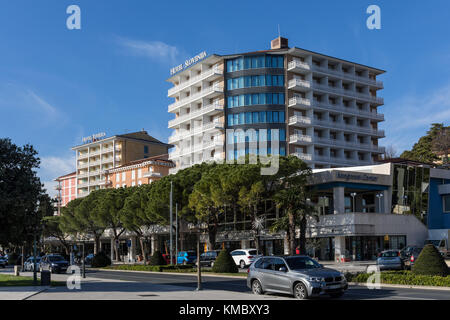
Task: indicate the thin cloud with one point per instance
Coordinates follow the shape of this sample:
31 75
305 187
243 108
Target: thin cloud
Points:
53 167
157 50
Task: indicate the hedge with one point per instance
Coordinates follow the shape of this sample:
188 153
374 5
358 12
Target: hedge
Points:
403 278
157 259
160 268
100 260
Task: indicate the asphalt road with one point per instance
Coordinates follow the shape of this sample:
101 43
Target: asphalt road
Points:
239 285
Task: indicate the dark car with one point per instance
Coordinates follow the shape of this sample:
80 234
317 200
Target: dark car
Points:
3 262
209 257
410 256
54 263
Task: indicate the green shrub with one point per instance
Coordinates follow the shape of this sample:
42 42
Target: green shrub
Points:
157 259
161 268
403 278
224 263
430 262
100 260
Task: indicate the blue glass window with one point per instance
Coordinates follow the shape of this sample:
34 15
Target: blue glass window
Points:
241 118
281 116
262 116
255 117
275 98
230 120
248 118
236 118
269 117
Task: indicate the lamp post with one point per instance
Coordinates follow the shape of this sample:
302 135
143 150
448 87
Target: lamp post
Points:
379 196
176 233
353 194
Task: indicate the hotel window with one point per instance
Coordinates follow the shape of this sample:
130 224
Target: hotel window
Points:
133 174
145 149
124 176
139 173
117 176
446 203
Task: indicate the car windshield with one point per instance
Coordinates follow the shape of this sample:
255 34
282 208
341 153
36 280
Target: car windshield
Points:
55 258
389 254
252 252
298 263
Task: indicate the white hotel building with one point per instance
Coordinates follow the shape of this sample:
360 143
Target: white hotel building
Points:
325 108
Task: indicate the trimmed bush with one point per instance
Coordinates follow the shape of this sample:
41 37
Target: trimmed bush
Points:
430 262
100 260
163 268
403 278
224 263
157 259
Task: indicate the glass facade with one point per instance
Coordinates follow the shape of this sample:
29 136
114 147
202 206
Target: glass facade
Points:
255 99
255 117
263 80
410 191
255 62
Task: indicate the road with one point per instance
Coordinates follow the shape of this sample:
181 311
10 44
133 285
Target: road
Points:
239 285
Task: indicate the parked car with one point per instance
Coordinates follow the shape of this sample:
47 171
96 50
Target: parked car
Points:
300 276
410 256
3 262
29 264
244 257
208 258
390 260
88 258
186 257
54 263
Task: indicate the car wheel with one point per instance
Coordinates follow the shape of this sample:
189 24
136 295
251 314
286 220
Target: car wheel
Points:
257 287
300 291
242 264
337 294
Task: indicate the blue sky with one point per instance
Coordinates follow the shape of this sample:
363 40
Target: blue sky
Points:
58 85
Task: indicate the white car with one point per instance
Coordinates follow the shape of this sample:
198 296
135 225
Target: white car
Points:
244 257
29 264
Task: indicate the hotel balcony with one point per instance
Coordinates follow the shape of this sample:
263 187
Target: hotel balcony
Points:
300 139
349 76
215 71
212 108
299 85
105 183
215 125
348 110
83 165
303 156
300 103
300 121
209 92
83 155
299 66
152 175
348 127
340 160
349 93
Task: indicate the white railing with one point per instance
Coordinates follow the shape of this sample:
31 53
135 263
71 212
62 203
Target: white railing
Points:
299 119
299 101
299 138
196 113
191 81
215 87
343 143
298 64
354 77
303 156
196 130
299 83
352 111
350 93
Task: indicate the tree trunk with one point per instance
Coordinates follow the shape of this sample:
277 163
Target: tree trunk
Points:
303 235
291 232
116 249
96 243
144 256
212 231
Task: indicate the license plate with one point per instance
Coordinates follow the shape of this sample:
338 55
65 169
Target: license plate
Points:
336 286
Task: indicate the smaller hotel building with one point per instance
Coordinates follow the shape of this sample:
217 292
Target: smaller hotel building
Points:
136 173
66 189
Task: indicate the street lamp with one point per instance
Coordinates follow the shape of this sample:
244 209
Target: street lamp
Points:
353 194
379 196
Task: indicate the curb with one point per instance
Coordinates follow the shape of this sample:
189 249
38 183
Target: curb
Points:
176 273
403 286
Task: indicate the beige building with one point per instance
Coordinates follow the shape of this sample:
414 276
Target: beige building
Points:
95 157
138 172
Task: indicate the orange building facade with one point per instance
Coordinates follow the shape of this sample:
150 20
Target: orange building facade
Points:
138 172
66 188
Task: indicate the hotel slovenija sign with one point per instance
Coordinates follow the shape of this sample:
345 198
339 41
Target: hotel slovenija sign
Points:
94 137
188 63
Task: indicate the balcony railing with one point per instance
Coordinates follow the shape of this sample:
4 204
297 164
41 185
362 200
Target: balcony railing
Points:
191 81
349 76
214 88
297 64
196 113
350 93
299 120
303 156
297 101
299 83
295 138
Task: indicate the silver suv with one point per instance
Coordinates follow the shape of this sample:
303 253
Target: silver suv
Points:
300 276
